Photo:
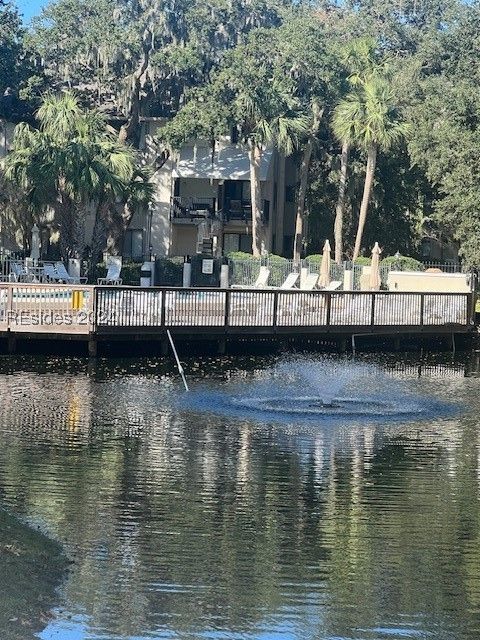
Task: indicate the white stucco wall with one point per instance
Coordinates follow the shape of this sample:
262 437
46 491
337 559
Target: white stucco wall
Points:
162 179
6 137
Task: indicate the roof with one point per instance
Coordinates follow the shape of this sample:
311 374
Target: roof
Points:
230 162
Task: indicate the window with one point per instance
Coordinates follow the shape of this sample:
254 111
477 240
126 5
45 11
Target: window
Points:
290 193
231 242
133 244
266 211
237 242
245 243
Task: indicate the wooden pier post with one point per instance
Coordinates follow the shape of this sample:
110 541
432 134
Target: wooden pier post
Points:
222 346
164 347
92 347
11 343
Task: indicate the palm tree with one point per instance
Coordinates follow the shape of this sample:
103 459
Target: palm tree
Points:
366 118
340 208
72 163
267 115
360 58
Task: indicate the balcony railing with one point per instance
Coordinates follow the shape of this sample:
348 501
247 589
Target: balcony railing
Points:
237 210
192 208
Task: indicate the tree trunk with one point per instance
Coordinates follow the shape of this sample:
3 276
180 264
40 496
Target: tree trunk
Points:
78 230
302 190
371 162
99 236
340 209
119 220
64 219
129 130
255 156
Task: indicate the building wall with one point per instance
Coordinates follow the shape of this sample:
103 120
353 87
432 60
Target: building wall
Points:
199 188
184 240
180 239
6 137
162 179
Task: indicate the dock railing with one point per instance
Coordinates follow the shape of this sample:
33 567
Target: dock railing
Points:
83 309
276 310
46 308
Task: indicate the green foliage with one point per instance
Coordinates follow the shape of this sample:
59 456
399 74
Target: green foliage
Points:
142 56
402 263
240 255
265 67
315 258
363 261
130 273
169 272
72 162
18 73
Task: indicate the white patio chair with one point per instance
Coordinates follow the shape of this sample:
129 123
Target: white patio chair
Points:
65 276
260 283
333 286
50 273
19 272
289 282
310 282
114 269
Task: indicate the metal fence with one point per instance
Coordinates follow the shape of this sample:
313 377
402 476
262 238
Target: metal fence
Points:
277 310
46 308
83 309
245 272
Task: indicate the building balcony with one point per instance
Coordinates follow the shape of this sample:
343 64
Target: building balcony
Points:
191 209
237 211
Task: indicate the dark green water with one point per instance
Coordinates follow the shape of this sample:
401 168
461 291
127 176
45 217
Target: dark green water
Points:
187 524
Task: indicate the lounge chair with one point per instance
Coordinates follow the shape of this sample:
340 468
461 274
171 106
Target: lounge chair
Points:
310 282
19 272
289 282
333 286
114 268
260 283
65 276
50 273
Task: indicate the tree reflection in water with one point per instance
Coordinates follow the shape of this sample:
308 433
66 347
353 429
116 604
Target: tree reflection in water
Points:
187 525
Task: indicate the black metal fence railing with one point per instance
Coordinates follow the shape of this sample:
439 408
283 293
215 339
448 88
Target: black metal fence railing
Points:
191 208
155 308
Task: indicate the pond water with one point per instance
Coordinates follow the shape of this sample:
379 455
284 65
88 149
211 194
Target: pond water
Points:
318 498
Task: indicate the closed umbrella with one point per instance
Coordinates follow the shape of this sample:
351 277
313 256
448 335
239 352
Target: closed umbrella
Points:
324 280
35 244
375 279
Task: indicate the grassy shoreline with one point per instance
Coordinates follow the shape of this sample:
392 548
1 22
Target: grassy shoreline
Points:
31 568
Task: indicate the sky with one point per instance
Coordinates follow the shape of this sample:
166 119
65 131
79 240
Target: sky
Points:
30 8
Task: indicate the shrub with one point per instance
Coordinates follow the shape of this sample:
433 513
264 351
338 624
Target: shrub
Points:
169 272
315 258
130 273
244 273
363 261
402 263
240 255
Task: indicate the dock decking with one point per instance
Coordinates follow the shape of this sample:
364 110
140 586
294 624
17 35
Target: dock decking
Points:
99 312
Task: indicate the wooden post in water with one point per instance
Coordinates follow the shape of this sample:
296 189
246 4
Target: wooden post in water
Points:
11 343
92 347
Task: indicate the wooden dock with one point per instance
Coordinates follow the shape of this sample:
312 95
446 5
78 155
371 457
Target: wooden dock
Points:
99 313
